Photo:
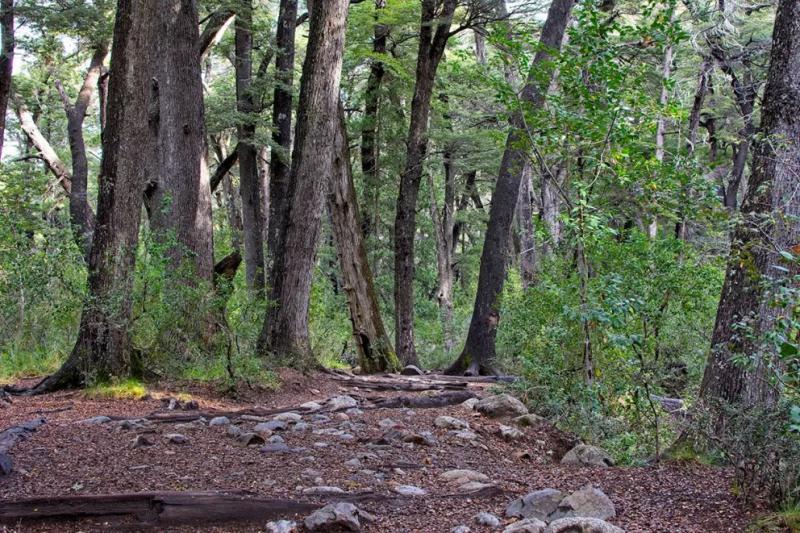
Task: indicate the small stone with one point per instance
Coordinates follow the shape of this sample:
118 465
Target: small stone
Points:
324 489
538 504
461 476
586 455
219 421
234 431
465 434
311 473
191 405
469 404
529 525
342 515
276 448
588 502
282 526
487 519
509 433
353 464
460 529
501 405
96 420
300 426
320 419
411 370
288 417
387 423
582 525
131 424
355 411
474 486
141 441
311 406
410 490
529 420
272 425
341 402
250 439
176 438
275 439
449 422
173 404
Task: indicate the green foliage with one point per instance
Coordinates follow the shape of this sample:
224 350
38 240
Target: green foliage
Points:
128 389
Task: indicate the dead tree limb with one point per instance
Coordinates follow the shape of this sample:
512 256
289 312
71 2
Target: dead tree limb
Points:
11 436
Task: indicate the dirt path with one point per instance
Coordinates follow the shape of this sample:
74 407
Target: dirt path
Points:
364 451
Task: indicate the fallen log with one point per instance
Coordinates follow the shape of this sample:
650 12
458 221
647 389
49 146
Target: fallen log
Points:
422 402
11 436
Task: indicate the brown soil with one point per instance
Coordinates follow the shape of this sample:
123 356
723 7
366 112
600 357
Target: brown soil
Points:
65 457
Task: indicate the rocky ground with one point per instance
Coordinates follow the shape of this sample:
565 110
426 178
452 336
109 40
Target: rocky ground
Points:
342 449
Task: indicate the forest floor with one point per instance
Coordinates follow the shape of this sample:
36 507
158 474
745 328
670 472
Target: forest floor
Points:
371 453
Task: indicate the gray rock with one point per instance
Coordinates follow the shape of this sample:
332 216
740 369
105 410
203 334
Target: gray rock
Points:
461 476
219 421
276 448
449 422
234 431
465 434
324 489
473 486
509 433
272 425
176 438
288 417
353 464
501 405
311 473
132 424
411 370
460 529
487 519
275 439
588 502
582 525
539 504
410 490
529 420
586 455
320 419
339 515
311 406
282 526
96 420
141 442
341 402
470 404
529 525
387 423
354 411
249 439
300 426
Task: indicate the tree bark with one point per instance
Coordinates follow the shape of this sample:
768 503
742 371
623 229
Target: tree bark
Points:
279 186
103 348
54 163
178 197
526 230
551 207
6 62
479 352
81 214
375 352
249 183
217 23
431 49
769 224
369 134
285 331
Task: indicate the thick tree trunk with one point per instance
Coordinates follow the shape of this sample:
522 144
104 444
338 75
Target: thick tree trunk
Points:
526 230
479 351
81 214
279 185
369 133
375 352
249 183
769 224
103 347
6 62
178 197
431 48
285 331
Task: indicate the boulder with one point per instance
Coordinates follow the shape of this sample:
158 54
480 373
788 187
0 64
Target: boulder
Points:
582 525
449 422
282 526
529 525
219 421
501 405
588 502
529 420
341 515
508 433
586 455
539 504
469 404
341 402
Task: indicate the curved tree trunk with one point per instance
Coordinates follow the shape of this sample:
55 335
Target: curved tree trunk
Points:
769 224
431 50
103 348
479 351
375 352
285 332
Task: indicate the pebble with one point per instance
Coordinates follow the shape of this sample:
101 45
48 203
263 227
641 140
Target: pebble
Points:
460 529
278 447
176 438
220 421
288 417
410 490
487 519
449 422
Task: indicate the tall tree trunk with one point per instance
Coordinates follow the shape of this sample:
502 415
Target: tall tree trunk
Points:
551 206
431 48
249 184
279 185
769 224
6 62
178 197
375 352
443 223
81 214
285 331
527 235
369 133
479 351
103 348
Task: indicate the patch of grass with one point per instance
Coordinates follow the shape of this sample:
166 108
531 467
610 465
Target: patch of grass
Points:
249 368
786 520
24 363
129 389
333 362
685 452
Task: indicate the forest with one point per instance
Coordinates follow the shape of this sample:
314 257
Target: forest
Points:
400 265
